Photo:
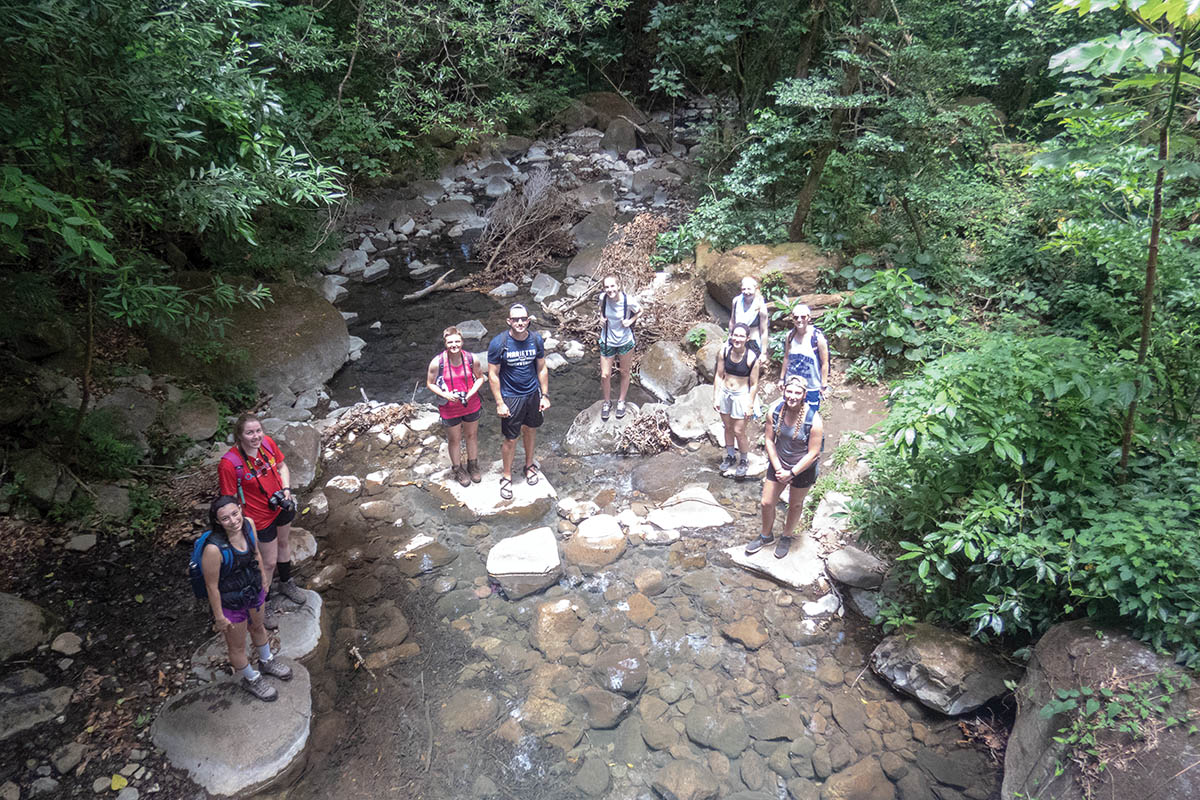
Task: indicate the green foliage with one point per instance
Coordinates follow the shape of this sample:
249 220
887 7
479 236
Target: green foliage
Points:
773 287
145 510
696 337
101 451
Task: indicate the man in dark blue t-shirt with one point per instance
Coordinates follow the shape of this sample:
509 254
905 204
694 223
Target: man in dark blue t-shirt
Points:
520 384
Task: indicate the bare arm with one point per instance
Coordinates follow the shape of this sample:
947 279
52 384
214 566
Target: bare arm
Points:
262 567
543 373
431 376
754 370
823 349
494 382
769 441
764 322
210 567
285 477
787 343
718 380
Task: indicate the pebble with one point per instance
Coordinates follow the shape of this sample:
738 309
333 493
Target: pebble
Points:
128 793
67 644
100 785
43 786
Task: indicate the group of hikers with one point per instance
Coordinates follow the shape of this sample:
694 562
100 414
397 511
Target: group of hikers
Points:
250 521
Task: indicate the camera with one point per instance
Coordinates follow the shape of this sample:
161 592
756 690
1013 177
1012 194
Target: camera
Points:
281 502
461 397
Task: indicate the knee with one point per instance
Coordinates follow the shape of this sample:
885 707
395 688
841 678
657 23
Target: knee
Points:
605 372
766 507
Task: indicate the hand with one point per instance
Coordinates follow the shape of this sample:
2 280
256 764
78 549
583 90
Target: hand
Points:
220 624
628 323
287 493
544 403
502 409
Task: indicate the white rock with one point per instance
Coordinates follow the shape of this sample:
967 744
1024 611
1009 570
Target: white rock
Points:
483 499
424 269
801 568
354 263
497 187
318 505
831 513
366 245
331 290
425 419
525 563
826 604
376 481
376 325
543 286
655 536
555 361
404 225
575 350
471 329
376 270
692 507
598 542
356 347
504 290
349 316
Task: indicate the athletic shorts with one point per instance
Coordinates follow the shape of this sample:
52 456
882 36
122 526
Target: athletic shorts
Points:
269 533
736 404
814 399
472 417
802 481
239 615
523 411
619 350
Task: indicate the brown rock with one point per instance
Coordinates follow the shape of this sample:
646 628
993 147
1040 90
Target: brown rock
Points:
650 582
862 781
553 625
799 263
640 609
386 657
685 780
747 631
602 709
469 710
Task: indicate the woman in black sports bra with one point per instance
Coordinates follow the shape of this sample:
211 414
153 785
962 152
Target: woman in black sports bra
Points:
735 389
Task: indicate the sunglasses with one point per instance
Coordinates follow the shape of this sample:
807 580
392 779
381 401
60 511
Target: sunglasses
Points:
518 319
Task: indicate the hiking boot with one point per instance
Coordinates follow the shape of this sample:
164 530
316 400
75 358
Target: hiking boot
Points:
742 466
785 544
758 544
260 688
269 621
460 473
473 470
605 409
292 592
727 463
276 669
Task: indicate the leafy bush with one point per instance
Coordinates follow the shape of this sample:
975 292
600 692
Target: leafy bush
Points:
996 479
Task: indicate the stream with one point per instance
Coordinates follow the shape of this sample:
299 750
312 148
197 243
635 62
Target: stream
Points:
480 696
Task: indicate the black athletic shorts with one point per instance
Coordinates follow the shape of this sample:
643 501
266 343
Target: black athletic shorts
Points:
522 411
269 533
802 481
472 417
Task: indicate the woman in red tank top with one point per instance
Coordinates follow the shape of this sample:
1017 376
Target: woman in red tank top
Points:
455 377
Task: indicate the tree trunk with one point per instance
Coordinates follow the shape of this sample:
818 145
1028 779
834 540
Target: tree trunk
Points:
811 41
837 120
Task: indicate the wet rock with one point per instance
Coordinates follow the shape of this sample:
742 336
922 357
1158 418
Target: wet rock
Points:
660 475
622 669
553 625
452 211
229 742
328 577
24 711
422 554
23 626
483 499
593 778
717 730
81 543
301 446
586 639
799 264
747 632
469 710
943 670
593 229
776 721
333 290
692 415
586 262
543 287
378 510
525 563
598 542
602 709
801 568
591 435
650 582
641 610
666 371
342 489
619 137
375 271
685 780
382 659
67 644
692 507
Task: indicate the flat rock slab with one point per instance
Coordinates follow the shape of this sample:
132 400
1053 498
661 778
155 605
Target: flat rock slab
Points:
801 568
229 742
591 435
23 711
525 563
422 554
23 626
693 507
483 499
299 634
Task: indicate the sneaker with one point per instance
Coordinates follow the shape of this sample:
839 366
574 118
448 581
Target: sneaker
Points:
460 473
742 466
292 592
260 688
605 409
269 621
785 544
473 471
727 463
758 544
620 409
276 669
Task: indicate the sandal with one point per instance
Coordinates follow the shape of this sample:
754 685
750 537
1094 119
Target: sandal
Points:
505 488
531 474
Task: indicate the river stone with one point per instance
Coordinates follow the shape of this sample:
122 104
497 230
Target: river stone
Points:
586 262
329 576
685 780
622 669
23 626
1079 653
428 190
800 569
42 480
332 290
590 435
342 489
593 194
132 412
483 499
21 681
299 634
856 568
619 137
318 506
504 290
646 182
650 582
23 711
229 742
111 501
747 632
862 781
553 624
378 510
717 730
525 563
692 415
471 329
832 514
799 264
497 187
598 542
81 543
945 671
300 444
601 708
640 609
661 475
692 507
777 721
706 360
593 229
469 710
825 604
422 554
196 417
67 644
555 361
593 778
376 270
543 287
666 371
452 211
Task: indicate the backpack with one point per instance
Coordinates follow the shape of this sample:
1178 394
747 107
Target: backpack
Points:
777 415
812 343
441 379
196 574
239 466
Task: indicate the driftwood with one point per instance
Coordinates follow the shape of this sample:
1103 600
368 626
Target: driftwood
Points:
526 228
439 285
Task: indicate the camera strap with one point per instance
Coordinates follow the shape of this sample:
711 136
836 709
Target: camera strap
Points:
251 471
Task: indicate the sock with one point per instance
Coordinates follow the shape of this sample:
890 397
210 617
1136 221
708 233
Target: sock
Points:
250 673
731 452
284 570
264 651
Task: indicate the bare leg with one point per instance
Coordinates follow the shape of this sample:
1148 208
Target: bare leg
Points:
770 497
284 541
528 437
454 442
795 507
258 631
507 451
606 365
471 434
626 362
739 435
235 642
729 423
270 555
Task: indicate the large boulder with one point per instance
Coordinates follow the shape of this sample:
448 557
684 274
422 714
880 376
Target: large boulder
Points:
660 476
666 371
685 780
526 563
620 136
20 712
594 228
195 417
692 415
301 447
1076 654
799 263
598 542
483 499
229 742
296 341
586 262
945 671
42 480
132 412
609 106
706 358
590 435
23 626
856 568
692 507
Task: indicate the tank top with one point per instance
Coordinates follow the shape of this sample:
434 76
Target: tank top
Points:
458 379
739 369
803 358
742 316
791 441
241 584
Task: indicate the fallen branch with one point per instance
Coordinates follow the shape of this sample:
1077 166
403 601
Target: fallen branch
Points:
439 285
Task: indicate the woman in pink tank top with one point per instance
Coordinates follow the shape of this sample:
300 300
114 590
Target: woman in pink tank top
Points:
455 377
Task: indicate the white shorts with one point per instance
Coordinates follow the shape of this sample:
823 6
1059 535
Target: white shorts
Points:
735 404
